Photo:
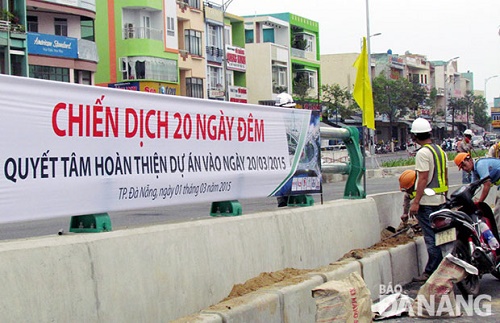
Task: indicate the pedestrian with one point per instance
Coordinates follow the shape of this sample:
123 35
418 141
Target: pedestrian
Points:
432 172
465 146
284 100
479 169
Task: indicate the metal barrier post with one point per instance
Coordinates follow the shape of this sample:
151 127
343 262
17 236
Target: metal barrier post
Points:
355 169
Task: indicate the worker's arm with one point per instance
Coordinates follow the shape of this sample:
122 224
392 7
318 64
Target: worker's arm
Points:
421 184
485 191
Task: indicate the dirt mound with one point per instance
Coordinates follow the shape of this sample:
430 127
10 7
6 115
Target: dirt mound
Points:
290 276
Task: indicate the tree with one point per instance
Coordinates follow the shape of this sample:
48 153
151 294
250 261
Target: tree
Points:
480 111
474 107
336 100
301 87
390 98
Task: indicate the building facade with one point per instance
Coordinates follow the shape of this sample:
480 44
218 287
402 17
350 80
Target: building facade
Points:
283 52
61 40
13 46
226 56
138 45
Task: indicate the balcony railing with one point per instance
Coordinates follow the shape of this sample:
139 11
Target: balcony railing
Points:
142 33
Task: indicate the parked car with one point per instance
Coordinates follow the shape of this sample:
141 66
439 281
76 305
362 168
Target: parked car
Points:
477 141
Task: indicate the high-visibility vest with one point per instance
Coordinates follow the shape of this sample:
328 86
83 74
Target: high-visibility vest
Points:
496 150
438 181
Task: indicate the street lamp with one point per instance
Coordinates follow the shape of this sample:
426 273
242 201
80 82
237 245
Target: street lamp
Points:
485 83
446 96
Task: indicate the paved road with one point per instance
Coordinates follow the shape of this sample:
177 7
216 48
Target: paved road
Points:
200 211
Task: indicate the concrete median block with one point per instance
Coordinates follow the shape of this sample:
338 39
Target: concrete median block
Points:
200 318
253 307
376 271
404 263
297 301
422 255
340 270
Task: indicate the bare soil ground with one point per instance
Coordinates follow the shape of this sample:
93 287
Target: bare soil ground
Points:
290 276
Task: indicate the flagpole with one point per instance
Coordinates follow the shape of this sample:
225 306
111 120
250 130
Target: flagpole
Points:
368 49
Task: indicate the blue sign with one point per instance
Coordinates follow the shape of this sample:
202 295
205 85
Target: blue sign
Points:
52 45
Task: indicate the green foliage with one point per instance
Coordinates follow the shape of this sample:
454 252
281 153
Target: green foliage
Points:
336 101
301 87
475 106
411 160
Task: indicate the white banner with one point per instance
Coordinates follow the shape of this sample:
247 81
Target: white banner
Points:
71 149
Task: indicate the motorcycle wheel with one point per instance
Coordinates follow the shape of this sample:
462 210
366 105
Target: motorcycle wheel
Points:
470 284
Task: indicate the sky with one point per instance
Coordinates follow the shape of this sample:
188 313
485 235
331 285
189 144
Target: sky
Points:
438 29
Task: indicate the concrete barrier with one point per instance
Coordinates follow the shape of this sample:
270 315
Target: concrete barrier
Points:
380 270
164 272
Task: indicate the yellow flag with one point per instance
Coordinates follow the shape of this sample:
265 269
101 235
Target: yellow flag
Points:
363 88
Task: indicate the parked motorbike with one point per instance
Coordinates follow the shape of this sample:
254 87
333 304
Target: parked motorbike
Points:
468 231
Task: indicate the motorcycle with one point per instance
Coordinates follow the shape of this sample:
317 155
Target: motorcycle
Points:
469 232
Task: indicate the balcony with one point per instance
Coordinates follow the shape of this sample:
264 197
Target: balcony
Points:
303 54
132 32
214 54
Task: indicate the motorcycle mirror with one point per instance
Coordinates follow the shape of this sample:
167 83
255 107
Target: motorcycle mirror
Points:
429 191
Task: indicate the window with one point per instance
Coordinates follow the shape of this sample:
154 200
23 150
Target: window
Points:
305 42
87 28
32 22
192 41
49 73
146 23
83 77
248 36
152 68
193 3
215 77
170 26
212 39
309 76
310 43
194 87
16 65
61 26
268 35
279 78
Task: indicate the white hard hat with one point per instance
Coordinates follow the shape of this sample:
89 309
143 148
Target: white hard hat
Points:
420 125
284 100
468 132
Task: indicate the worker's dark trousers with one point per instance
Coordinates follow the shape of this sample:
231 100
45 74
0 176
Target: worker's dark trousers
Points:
433 251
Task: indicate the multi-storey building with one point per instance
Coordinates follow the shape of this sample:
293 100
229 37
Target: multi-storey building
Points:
61 40
192 65
283 51
13 57
172 47
225 54
138 46
447 81
339 69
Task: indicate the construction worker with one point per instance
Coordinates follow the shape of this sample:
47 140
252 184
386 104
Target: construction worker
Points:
480 169
432 172
465 146
494 151
407 186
